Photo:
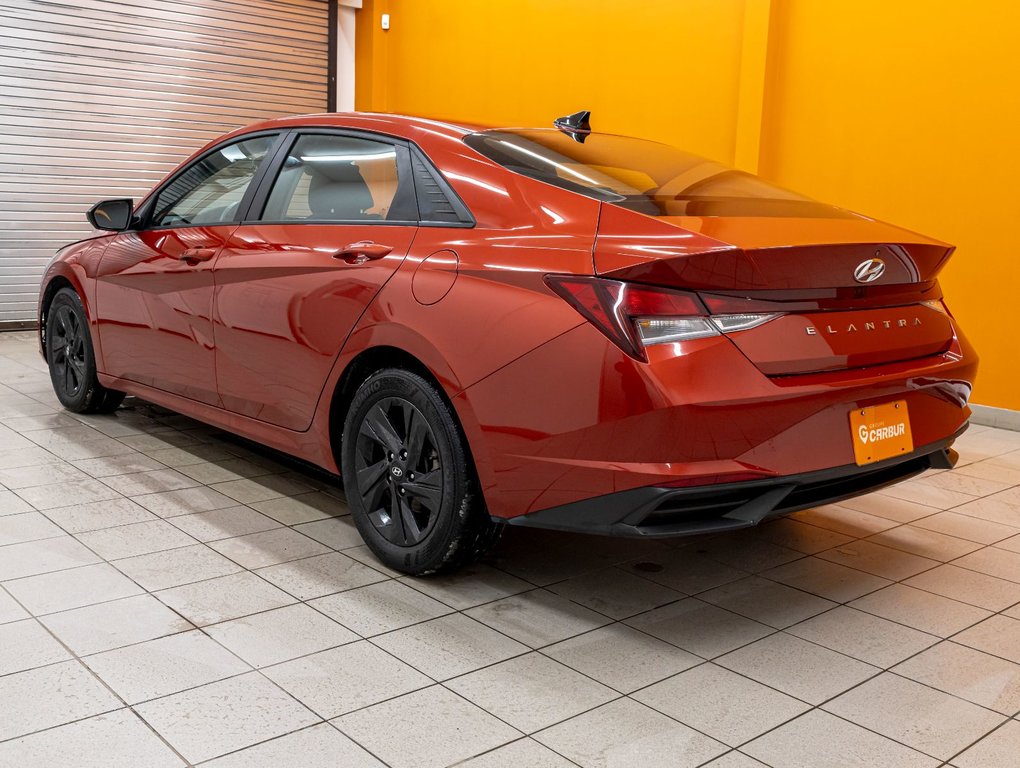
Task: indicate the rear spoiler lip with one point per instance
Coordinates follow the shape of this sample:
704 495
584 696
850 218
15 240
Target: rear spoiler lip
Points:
758 254
820 300
733 269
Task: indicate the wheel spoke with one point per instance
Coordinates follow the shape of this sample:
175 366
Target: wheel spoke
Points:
412 531
397 517
372 484
370 475
427 488
417 430
69 386
62 323
377 426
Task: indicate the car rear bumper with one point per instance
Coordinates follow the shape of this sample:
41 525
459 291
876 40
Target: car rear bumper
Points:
660 512
577 419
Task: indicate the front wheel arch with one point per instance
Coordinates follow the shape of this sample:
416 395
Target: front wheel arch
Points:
50 291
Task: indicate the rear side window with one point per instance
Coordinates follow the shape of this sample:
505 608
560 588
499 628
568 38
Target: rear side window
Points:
210 190
335 178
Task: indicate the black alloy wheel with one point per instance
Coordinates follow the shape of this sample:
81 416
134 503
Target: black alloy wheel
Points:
68 345
409 478
399 472
72 358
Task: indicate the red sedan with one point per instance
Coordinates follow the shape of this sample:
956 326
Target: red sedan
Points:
549 327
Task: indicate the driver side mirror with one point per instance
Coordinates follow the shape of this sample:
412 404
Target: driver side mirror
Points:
111 215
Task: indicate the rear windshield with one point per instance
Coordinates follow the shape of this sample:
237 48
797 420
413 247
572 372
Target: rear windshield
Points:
644 176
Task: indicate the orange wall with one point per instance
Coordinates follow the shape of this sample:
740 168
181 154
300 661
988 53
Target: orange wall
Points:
908 111
671 75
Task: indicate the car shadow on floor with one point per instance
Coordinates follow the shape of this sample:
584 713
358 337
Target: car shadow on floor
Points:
744 584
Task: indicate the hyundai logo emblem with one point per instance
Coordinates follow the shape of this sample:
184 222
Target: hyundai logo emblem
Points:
869 271
397 471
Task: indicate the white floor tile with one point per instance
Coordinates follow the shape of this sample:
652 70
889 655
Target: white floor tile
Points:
222 717
135 539
430 728
114 740
341 680
380 607
621 657
279 635
449 646
627 733
538 618
167 665
531 692
49 696
913 714
699 627
176 567
819 739
722 704
796 667
45 556
224 598
26 645
321 746
105 626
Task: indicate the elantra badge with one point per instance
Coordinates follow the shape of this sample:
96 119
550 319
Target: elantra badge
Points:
869 271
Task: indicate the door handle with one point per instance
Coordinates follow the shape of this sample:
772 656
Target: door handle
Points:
362 251
196 254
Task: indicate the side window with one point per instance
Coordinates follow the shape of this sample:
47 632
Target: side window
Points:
210 190
334 178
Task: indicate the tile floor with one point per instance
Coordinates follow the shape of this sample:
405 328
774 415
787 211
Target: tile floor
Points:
169 596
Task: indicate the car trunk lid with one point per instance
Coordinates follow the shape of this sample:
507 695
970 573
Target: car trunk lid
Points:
802 269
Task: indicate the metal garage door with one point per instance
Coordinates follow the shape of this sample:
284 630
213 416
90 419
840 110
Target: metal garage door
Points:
101 98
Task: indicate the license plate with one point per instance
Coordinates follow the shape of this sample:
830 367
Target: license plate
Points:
880 432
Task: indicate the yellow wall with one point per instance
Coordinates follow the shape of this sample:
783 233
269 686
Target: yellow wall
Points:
908 111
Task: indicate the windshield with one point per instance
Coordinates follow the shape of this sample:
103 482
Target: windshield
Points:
644 176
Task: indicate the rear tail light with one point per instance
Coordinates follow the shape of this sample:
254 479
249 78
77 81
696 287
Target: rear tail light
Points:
938 305
636 316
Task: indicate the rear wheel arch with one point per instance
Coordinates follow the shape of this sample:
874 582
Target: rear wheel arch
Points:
373 359
358 370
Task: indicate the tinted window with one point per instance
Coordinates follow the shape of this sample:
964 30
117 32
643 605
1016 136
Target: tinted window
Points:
645 176
334 178
210 190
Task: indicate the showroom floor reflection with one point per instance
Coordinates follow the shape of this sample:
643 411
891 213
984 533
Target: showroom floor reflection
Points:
170 596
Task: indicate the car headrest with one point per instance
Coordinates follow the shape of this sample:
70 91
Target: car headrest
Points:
339 191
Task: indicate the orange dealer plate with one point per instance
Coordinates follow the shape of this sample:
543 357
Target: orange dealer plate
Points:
880 432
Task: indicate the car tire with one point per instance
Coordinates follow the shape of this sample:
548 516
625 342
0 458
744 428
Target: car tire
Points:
72 358
409 479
